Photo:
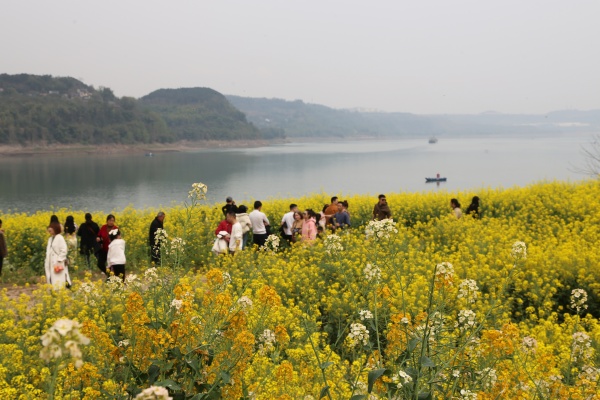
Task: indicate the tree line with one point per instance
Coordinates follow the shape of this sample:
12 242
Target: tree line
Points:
54 110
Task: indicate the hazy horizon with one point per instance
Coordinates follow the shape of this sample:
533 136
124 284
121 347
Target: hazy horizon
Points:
432 57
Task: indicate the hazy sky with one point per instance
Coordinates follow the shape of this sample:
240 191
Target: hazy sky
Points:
419 56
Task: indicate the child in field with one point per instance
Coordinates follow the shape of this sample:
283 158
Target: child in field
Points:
116 253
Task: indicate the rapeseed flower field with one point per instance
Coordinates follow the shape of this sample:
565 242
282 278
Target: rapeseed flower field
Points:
422 307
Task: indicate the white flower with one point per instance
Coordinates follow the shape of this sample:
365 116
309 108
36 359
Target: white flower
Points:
456 373
64 326
176 304
113 232
578 299
581 346
198 191
154 393
358 334
401 378
63 339
160 236
372 273
245 302
444 272
151 275
466 320
333 244
519 250
467 395
468 290
489 377
529 344
124 343
382 229
365 314
271 244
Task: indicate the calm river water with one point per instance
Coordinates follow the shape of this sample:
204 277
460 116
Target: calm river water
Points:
104 183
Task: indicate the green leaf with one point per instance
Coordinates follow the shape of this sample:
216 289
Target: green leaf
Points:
426 362
412 344
169 383
326 364
373 376
424 396
225 377
153 372
358 397
324 392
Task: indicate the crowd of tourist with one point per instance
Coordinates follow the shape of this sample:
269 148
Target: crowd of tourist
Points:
231 235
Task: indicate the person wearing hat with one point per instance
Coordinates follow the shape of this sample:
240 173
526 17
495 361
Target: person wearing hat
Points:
230 205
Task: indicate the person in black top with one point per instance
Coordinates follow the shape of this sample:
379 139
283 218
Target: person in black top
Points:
474 207
88 232
156 224
229 205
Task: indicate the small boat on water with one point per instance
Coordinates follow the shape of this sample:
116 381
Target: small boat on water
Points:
435 179
149 154
432 140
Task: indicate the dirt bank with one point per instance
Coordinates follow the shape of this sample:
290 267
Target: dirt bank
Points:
61 149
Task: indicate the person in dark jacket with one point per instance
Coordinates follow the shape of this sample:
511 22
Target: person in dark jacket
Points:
156 224
474 207
104 241
229 206
88 232
381 209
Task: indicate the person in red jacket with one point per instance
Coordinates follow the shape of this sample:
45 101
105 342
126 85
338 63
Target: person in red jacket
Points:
105 241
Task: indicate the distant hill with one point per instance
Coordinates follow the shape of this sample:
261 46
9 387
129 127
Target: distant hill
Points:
299 119
200 114
38 110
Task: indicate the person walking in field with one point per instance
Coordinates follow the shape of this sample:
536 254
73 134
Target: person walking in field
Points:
104 241
473 208
236 237
244 220
330 211
154 244
455 205
88 232
297 227
70 234
57 272
260 224
309 228
3 247
381 209
116 254
287 221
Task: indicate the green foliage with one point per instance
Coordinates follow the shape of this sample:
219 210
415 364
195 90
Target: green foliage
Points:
46 110
200 114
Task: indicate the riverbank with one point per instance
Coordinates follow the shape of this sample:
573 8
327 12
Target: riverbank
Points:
118 149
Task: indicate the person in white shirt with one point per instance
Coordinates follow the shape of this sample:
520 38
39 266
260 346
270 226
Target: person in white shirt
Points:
236 237
116 253
287 221
260 222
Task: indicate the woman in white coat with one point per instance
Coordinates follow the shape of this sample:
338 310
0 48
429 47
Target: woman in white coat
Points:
57 272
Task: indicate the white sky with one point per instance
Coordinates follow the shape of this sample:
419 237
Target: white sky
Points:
419 56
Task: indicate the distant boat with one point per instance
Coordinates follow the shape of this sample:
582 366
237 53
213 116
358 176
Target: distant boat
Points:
432 140
149 154
436 179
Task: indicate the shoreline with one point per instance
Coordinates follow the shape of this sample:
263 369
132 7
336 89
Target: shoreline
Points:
120 149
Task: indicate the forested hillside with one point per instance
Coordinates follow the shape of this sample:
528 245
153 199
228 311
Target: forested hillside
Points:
299 119
199 114
46 110
41 110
